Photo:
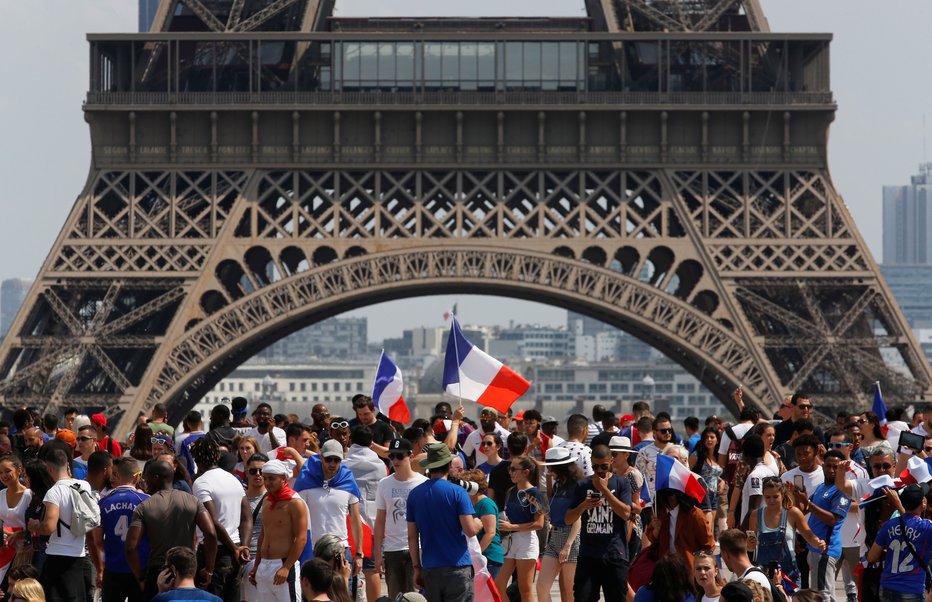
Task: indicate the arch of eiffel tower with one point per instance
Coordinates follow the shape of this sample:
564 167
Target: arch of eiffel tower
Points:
259 165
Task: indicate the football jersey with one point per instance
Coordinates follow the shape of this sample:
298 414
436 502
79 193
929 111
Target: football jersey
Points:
116 513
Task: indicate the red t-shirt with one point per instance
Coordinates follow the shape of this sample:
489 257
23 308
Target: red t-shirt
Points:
109 444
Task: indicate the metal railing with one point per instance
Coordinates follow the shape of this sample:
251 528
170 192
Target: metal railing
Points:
379 98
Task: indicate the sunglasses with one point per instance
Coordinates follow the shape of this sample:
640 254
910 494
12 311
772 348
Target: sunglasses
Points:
601 466
665 431
861 420
343 424
254 471
157 441
330 459
838 444
87 438
805 406
488 443
927 449
397 456
883 466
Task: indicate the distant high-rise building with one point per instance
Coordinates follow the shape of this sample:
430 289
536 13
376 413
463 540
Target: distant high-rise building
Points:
911 286
12 294
598 341
147 10
332 339
907 221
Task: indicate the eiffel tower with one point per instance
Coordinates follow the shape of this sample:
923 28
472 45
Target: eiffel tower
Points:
260 165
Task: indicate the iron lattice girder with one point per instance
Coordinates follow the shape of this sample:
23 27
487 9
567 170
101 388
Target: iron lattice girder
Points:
211 342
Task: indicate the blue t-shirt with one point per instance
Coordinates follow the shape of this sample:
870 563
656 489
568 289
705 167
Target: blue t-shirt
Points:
435 507
559 504
185 594
646 594
603 534
522 506
901 571
116 514
79 471
831 499
693 440
184 451
487 468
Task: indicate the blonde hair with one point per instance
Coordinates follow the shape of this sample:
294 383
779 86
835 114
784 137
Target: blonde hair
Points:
30 589
757 590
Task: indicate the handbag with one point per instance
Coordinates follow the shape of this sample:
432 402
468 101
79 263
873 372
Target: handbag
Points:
642 569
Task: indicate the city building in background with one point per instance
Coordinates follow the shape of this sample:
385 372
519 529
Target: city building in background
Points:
13 292
532 343
907 221
147 9
332 339
295 388
912 287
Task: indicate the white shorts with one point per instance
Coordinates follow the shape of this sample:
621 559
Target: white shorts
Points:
267 590
247 591
522 545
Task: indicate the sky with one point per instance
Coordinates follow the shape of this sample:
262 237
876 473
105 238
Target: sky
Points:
879 78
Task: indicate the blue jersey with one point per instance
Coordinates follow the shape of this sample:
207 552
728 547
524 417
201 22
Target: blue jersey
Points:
116 514
902 572
829 498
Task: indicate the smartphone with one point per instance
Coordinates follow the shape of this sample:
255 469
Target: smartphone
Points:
595 495
799 483
911 440
772 569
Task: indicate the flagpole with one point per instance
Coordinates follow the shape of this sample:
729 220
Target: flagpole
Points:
456 352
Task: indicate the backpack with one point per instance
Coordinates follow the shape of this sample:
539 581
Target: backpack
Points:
86 514
734 456
776 594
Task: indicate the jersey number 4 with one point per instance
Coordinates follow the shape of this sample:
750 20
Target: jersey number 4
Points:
121 527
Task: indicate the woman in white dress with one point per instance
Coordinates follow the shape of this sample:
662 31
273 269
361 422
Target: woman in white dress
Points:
13 503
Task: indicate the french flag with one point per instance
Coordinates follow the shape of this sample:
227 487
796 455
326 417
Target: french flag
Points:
645 494
387 391
673 475
470 373
880 407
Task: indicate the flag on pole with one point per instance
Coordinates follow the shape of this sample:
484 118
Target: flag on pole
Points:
388 389
880 407
470 373
673 475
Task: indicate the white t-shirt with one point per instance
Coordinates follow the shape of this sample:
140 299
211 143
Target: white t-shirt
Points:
62 542
327 511
755 575
740 430
474 439
754 485
583 454
226 492
392 497
811 480
852 531
708 599
265 443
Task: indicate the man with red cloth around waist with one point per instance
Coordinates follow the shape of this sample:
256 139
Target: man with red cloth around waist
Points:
282 539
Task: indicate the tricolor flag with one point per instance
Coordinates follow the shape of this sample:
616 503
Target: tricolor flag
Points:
387 391
645 494
673 475
879 408
470 373
877 486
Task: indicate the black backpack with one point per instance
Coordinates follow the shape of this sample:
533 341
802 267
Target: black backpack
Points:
733 456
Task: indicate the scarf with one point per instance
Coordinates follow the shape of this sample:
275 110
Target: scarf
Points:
284 494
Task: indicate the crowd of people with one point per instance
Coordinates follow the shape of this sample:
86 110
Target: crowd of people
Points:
253 506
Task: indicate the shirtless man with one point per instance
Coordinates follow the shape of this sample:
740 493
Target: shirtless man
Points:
284 533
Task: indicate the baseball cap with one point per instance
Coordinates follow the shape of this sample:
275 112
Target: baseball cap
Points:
549 419
911 497
99 419
400 445
332 449
519 416
164 439
68 437
625 418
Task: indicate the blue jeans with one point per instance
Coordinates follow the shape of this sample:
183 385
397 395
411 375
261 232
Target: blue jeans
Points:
494 567
889 595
